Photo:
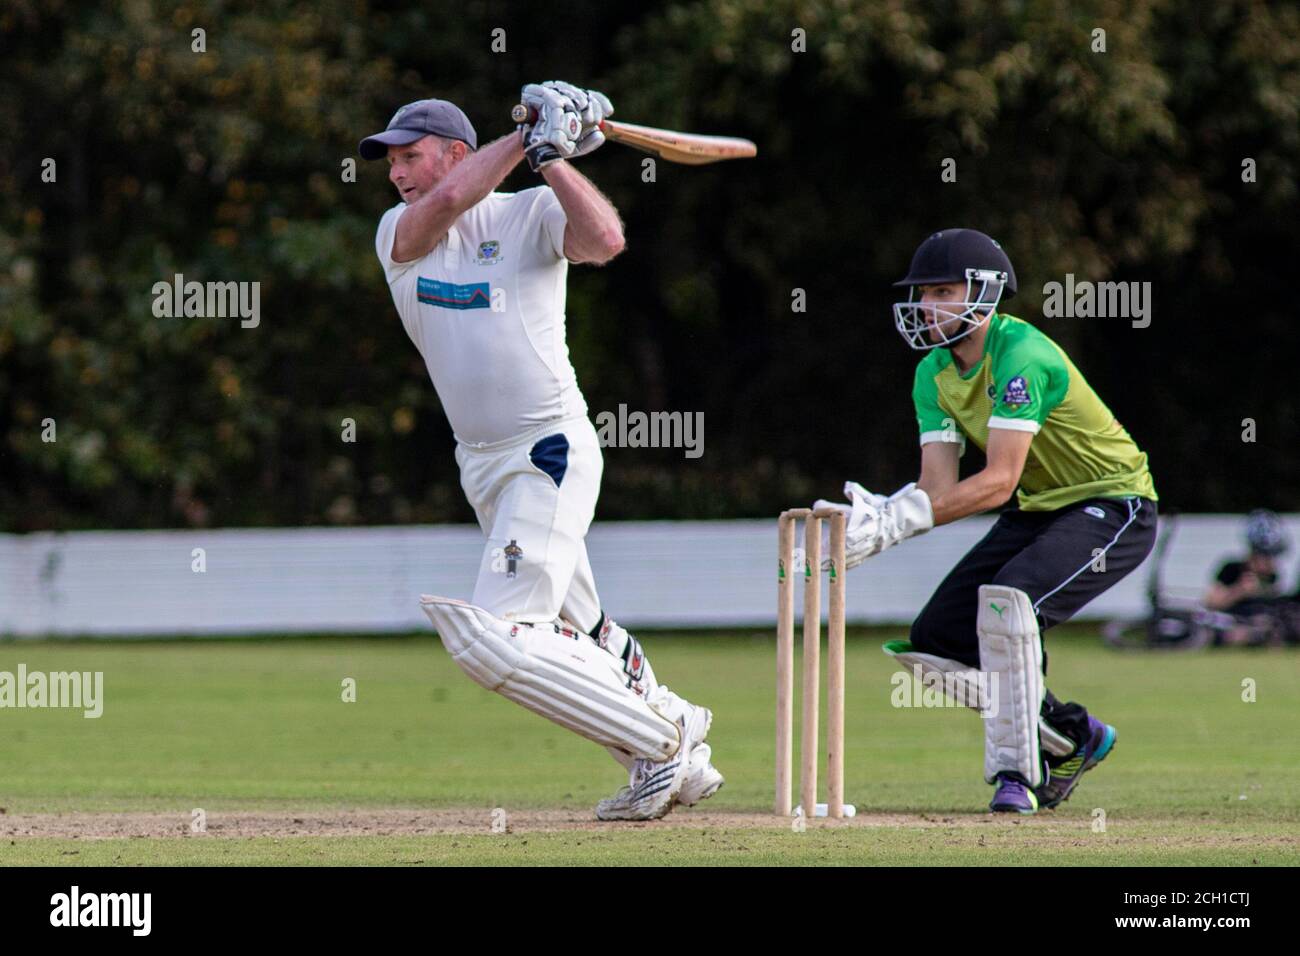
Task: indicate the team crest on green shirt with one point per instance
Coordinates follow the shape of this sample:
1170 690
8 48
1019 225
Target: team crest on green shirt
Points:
1017 392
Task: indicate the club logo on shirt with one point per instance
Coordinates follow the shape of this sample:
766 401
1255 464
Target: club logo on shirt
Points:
1016 392
992 391
489 252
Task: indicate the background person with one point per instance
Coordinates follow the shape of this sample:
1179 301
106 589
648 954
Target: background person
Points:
1248 587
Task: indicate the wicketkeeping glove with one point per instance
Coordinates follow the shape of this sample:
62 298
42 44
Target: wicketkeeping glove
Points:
876 522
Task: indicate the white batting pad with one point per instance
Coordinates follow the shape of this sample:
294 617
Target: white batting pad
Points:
553 671
961 684
1011 652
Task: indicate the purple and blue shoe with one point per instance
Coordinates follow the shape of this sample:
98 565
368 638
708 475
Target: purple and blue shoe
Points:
1013 795
1061 781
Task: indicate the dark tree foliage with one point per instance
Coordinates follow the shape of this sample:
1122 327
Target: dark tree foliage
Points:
226 165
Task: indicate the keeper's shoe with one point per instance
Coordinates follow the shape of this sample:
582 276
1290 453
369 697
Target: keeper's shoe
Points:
654 786
1013 795
1062 780
702 779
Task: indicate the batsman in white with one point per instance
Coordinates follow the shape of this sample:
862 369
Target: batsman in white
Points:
478 278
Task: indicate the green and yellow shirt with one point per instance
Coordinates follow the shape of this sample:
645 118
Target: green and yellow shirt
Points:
1025 381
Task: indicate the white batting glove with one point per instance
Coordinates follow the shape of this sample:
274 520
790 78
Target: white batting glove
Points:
592 107
876 522
554 134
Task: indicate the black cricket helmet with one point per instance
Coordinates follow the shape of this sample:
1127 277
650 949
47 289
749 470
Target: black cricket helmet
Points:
953 256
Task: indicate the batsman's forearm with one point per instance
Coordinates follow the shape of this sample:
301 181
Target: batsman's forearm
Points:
593 231
468 183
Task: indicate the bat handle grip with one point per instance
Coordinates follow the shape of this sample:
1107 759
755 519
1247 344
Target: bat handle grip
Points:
527 114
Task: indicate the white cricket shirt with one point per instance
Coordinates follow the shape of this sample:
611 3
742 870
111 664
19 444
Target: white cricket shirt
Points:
486 310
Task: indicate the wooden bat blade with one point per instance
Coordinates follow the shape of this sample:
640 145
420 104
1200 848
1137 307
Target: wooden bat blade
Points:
693 149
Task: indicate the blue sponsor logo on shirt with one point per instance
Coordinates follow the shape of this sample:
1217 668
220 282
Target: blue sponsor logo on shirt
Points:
1016 392
451 295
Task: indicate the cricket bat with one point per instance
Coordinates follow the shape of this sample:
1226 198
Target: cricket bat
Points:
693 149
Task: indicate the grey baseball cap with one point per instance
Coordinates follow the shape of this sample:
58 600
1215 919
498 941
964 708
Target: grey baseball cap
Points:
418 120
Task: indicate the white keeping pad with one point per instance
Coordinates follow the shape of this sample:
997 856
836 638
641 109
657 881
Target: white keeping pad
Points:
1011 652
961 679
553 671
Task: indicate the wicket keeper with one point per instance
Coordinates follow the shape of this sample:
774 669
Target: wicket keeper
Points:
478 277
1084 516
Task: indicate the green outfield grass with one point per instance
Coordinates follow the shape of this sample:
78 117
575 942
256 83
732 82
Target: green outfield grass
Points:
1199 775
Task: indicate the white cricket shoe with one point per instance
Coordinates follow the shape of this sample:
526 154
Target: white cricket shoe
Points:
702 780
654 786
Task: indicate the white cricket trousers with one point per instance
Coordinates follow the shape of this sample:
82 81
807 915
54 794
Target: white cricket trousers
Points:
535 497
